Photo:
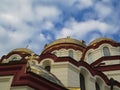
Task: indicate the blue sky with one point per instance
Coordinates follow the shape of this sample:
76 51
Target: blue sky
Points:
34 23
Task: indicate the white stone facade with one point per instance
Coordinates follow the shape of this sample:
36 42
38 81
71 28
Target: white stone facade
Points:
94 64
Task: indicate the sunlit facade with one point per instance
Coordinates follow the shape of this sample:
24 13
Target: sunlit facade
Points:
64 64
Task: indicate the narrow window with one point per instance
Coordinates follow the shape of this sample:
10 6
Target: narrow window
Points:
47 65
82 82
106 51
47 68
90 58
97 86
71 53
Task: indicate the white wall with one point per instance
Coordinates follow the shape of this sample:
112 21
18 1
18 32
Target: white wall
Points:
113 74
5 82
73 76
61 72
66 73
21 88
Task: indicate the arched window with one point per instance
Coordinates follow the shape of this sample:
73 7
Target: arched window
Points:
90 58
71 53
97 86
47 65
47 68
82 82
55 52
106 51
14 59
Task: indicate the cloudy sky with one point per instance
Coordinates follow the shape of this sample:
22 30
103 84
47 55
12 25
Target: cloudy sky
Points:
33 23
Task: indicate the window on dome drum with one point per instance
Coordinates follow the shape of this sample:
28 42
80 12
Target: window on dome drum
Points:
90 58
82 82
106 51
97 86
55 52
14 59
47 65
47 68
71 53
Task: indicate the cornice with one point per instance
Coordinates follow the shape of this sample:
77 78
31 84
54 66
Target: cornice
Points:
105 58
23 78
63 46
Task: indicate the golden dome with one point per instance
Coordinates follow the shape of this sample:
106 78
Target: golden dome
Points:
23 50
100 39
66 40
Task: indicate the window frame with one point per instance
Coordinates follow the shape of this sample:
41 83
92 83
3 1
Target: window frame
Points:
106 51
71 53
97 86
82 82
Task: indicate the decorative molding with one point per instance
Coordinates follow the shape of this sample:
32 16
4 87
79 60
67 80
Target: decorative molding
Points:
63 46
23 78
4 79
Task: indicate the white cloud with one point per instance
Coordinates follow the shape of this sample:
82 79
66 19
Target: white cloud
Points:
83 4
14 30
48 25
70 5
80 29
3 36
102 9
20 9
10 18
22 21
47 12
93 37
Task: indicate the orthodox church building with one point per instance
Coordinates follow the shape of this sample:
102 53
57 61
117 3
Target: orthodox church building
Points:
64 64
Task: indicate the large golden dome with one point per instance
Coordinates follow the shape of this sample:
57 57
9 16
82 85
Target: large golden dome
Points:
22 50
100 39
66 40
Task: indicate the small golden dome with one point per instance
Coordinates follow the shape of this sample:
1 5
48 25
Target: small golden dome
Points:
66 40
23 50
99 40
